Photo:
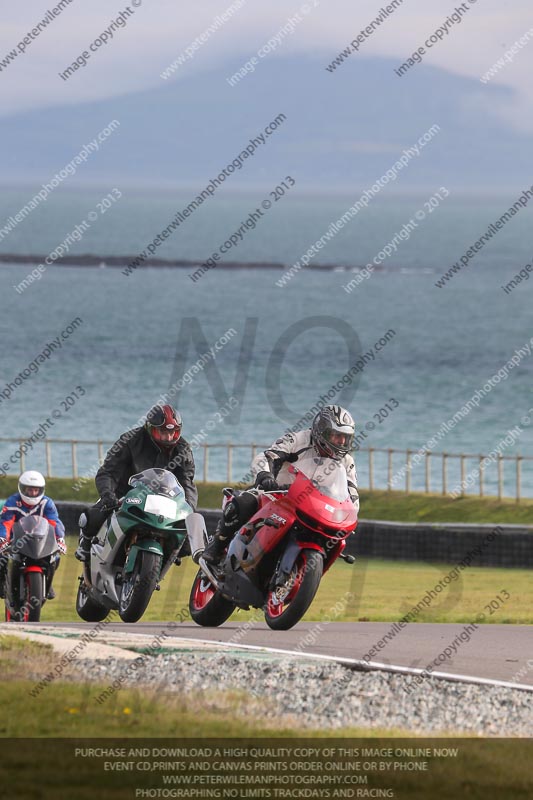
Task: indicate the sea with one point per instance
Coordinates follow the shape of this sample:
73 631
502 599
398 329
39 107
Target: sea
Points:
401 353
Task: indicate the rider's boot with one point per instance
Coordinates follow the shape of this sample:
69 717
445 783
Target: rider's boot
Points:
84 548
50 594
215 549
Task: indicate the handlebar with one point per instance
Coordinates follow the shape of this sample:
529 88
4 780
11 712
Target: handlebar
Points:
113 507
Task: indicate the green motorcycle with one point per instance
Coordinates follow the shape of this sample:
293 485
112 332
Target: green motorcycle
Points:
135 547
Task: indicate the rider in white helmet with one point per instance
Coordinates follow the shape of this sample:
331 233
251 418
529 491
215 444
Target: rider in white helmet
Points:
28 501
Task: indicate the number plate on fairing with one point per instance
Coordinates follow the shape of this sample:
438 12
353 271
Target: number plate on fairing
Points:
154 504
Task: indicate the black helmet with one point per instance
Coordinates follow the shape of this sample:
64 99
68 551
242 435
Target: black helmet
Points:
333 431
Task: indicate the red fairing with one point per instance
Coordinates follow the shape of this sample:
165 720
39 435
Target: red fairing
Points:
32 569
280 513
334 553
330 517
303 504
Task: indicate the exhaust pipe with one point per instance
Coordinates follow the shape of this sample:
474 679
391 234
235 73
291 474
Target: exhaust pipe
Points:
197 534
207 571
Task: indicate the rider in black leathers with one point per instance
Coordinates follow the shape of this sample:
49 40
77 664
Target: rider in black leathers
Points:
157 444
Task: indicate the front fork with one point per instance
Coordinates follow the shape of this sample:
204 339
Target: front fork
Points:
86 578
292 551
288 559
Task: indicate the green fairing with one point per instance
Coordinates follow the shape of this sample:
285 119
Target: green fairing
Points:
145 544
128 517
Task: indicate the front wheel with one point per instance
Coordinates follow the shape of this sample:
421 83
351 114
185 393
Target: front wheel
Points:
87 608
29 609
207 606
286 605
33 602
139 585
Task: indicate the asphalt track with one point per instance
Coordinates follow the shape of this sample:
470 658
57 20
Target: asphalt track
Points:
493 653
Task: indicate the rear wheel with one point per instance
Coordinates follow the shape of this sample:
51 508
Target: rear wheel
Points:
287 604
87 608
207 606
139 585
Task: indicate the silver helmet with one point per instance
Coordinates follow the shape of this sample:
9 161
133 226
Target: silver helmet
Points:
333 431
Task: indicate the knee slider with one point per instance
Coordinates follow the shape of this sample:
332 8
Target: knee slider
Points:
247 505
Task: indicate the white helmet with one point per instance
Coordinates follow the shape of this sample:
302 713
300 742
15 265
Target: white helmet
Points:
31 487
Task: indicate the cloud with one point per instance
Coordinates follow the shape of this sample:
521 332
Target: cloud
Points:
362 147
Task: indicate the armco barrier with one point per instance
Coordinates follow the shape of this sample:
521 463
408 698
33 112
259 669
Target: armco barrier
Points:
450 543
69 512
447 543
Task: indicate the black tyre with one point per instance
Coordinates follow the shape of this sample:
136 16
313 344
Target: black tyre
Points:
138 586
287 605
207 606
87 608
33 602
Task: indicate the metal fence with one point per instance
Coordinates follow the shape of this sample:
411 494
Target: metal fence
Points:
457 474
378 468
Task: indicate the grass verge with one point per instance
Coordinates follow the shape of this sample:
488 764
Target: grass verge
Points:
33 767
382 591
70 709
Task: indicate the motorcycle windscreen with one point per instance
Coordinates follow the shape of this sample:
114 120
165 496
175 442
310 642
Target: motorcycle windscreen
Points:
158 481
319 480
33 537
326 474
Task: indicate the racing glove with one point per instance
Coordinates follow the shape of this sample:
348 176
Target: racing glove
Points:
3 544
109 500
265 481
61 544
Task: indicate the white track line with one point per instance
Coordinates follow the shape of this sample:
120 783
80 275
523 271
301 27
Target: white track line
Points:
354 663
367 666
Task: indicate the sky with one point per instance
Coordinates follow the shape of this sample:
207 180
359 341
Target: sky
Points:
157 32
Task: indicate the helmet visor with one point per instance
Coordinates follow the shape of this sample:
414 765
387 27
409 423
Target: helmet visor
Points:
156 417
31 491
339 442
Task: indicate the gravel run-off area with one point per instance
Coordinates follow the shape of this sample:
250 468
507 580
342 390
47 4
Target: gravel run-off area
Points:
322 695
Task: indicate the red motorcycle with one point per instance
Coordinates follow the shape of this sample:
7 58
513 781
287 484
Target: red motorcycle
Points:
277 559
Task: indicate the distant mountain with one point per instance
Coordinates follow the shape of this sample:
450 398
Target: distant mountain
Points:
343 129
